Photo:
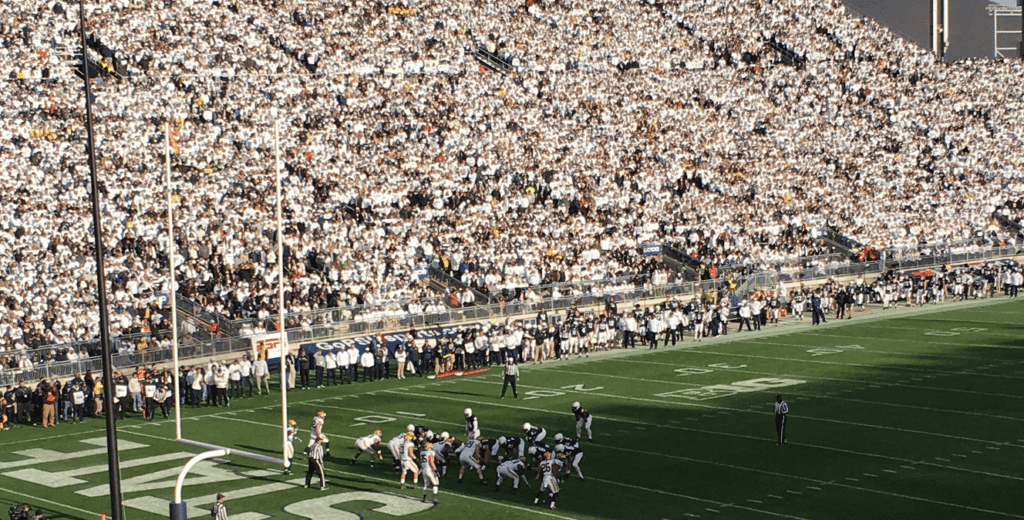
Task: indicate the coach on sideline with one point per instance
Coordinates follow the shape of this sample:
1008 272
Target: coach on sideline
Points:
781 409
511 376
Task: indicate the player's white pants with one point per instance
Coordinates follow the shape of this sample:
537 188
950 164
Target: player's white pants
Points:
504 474
429 476
576 460
549 482
395 448
540 436
289 451
468 461
528 351
698 330
584 423
798 309
408 465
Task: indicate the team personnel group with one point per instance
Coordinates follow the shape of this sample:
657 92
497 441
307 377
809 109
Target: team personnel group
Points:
420 452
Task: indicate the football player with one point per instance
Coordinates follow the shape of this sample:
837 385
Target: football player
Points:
469 457
534 434
514 469
538 451
514 447
547 473
573 456
370 444
489 448
409 460
316 429
289 447
583 420
395 447
429 469
472 425
442 449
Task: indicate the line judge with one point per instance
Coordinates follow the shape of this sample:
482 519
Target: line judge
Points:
511 376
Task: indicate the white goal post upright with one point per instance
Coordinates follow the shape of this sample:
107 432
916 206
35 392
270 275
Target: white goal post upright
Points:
282 344
171 250
173 287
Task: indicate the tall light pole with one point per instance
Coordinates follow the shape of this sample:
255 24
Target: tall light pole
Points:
113 462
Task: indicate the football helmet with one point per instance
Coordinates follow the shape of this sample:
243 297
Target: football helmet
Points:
469 411
527 426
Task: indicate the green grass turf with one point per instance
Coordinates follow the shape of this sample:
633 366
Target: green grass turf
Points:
923 420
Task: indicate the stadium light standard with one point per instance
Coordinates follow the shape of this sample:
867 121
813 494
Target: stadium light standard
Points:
113 462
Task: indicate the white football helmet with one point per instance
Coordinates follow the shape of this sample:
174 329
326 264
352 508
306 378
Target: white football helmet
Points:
532 450
430 434
576 405
527 426
444 435
502 440
559 448
469 411
410 428
558 437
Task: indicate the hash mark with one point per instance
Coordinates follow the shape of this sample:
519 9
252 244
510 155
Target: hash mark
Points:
853 479
870 475
992 448
754 501
959 455
814 488
889 471
908 467
942 459
972 451
794 492
712 510
774 496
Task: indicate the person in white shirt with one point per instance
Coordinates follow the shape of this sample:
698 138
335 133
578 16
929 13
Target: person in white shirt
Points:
408 457
261 372
341 358
331 364
235 377
245 371
220 381
400 358
135 388
353 363
366 361
369 444
320 365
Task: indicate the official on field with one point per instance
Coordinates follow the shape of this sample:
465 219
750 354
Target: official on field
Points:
781 411
316 463
218 511
511 376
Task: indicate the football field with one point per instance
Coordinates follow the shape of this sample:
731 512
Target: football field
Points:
908 413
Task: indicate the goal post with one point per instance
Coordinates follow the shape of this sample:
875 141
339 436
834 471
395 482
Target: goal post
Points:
281 341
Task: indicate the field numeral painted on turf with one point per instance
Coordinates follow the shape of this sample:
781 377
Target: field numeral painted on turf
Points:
954 332
537 394
322 508
833 350
372 419
696 371
716 391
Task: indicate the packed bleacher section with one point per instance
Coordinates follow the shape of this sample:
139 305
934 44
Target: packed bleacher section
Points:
734 131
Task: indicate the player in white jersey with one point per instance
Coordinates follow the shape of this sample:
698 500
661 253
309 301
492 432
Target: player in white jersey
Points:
289 447
409 459
469 457
316 429
429 470
370 444
547 473
514 469
395 447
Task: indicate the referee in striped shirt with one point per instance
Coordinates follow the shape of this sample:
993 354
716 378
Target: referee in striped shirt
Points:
219 512
316 463
781 410
511 376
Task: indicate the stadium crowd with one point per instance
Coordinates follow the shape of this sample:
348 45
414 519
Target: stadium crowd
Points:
736 131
